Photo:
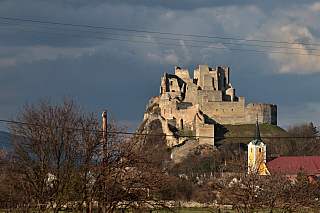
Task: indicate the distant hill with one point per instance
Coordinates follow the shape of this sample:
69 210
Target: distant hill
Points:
4 142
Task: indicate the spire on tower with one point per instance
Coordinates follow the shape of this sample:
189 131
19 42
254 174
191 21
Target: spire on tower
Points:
257 132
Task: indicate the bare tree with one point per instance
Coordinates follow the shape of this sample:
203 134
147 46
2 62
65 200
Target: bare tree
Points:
243 191
57 161
253 192
53 150
302 195
132 181
4 188
300 140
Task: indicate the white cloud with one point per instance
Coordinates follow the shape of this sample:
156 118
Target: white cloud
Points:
315 7
167 15
306 60
155 58
170 57
18 55
239 21
186 53
218 50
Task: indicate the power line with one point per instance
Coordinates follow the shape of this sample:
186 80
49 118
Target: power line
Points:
150 42
156 32
156 135
153 37
162 33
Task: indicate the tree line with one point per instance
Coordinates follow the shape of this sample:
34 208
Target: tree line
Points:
56 164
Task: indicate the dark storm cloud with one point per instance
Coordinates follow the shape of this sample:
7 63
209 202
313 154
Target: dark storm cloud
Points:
122 76
187 4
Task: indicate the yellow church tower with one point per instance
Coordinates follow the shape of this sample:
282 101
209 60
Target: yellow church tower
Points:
257 154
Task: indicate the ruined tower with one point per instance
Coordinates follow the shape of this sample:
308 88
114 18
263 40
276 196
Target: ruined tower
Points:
196 104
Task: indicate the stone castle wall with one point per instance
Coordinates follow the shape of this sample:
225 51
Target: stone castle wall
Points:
266 113
237 113
210 92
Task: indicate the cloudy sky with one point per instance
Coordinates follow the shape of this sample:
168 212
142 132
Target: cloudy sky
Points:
111 54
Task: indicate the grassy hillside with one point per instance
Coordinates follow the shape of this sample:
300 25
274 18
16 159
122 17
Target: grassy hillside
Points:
244 133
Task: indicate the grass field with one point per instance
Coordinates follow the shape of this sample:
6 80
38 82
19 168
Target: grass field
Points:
201 210
261 210
244 133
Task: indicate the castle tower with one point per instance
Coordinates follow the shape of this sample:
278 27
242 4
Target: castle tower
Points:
257 154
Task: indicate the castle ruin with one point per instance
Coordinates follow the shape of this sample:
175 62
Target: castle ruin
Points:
197 104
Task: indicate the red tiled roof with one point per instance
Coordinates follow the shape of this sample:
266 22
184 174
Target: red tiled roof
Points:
292 165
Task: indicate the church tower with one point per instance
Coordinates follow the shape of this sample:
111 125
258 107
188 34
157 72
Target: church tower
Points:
257 154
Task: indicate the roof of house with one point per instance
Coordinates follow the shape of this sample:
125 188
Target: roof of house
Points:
292 165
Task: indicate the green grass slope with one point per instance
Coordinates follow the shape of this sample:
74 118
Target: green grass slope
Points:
244 133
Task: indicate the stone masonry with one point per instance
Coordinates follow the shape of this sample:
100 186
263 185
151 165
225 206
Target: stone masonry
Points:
196 104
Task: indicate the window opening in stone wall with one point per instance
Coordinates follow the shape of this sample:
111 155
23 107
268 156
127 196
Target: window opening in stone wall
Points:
251 150
260 150
181 123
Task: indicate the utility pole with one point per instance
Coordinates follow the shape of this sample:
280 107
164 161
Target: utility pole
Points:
104 129
104 158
